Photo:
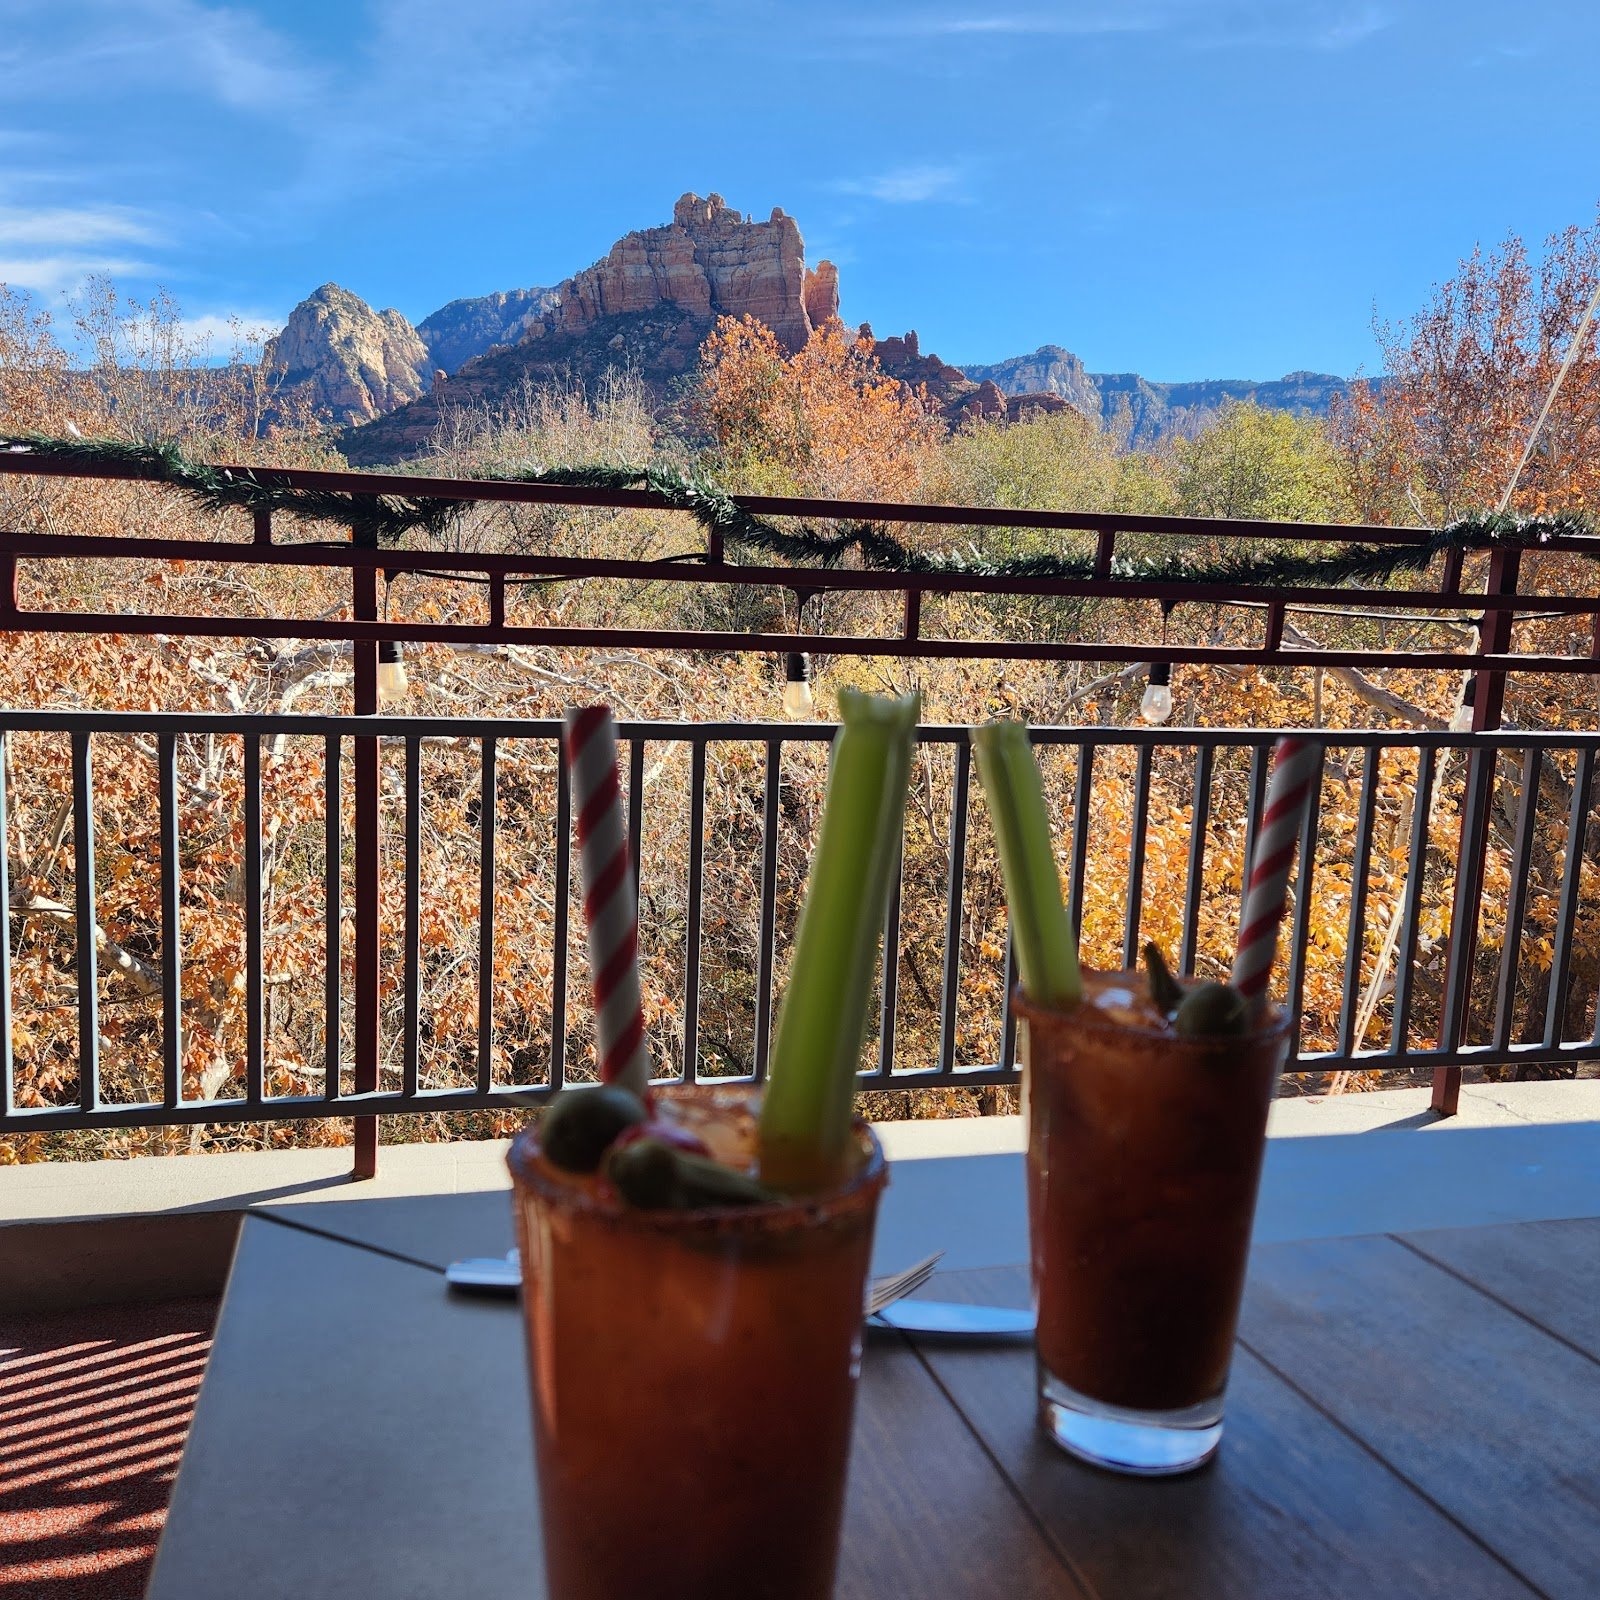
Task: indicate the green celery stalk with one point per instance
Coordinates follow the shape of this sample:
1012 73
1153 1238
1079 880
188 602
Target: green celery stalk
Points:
822 1021
1047 953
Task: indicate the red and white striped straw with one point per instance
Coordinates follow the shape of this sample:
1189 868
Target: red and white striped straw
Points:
1296 765
610 908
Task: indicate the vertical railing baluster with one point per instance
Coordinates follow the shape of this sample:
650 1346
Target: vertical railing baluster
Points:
84 925
767 937
1199 821
171 925
333 902
1405 957
636 812
367 774
8 1088
1464 908
1355 938
889 993
691 974
768 911
411 1043
1082 794
254 1037
1136 854
1008 1014
1259 768
955 883
486 884
1517 904
563 906
1567 916
1305 883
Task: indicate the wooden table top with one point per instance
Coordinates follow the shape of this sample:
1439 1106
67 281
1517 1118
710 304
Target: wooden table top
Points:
1409 1416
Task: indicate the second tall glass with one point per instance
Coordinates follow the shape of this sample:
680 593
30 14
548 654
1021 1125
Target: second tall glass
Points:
1144 1156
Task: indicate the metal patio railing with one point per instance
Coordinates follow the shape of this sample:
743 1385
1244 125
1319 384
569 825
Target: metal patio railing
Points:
1515 800
1540 785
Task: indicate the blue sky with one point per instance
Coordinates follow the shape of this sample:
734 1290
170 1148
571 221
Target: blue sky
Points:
1181 188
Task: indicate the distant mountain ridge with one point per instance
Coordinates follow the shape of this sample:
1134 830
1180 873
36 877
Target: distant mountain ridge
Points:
648 305
1151 411
457 332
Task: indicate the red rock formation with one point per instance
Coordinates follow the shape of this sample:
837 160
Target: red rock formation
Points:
707 262
902 358
948 388
819 293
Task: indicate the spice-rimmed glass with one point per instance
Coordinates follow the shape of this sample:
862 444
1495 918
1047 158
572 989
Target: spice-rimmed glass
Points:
1144 1157
693 1375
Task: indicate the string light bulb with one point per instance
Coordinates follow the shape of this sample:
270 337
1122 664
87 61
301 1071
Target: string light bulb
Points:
1461 720
392 681
1156 707
798 706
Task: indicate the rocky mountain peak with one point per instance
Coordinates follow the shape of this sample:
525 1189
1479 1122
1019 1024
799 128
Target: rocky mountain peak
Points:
359 362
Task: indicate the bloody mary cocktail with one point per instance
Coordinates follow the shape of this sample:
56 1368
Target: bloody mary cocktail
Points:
693 1371
1144 1154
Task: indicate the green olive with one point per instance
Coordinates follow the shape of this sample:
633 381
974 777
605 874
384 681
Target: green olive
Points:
645 1172
579 1124
1212 1011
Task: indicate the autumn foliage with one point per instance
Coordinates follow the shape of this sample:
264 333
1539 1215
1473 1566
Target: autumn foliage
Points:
825 421
1441 433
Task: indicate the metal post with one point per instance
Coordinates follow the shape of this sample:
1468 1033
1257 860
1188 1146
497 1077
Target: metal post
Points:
364 583
1489 694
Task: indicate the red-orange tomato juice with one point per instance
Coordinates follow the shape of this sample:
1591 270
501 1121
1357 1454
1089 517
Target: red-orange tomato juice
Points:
693 1374
1144 1155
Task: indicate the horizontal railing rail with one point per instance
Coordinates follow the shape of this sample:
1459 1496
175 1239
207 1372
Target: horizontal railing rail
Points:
1185 801
916 636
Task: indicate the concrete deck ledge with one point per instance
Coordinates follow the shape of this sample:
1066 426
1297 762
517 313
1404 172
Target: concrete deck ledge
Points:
77 1233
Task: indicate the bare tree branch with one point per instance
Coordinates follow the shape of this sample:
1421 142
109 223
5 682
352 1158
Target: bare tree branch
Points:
111 955
1364 688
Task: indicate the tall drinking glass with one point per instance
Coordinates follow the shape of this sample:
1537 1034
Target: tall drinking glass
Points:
693 1374
1144 1155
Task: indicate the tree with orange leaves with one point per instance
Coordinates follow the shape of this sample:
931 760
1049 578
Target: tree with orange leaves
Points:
824 421
1442 432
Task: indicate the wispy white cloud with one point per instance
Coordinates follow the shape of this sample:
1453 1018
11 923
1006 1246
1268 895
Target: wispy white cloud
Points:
1351 28
906 185
945 25
219 332
1315 24
422 88
1308 25
210 52
62 273
57 227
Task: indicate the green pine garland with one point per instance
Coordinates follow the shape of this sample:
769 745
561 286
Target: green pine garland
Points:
385 519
